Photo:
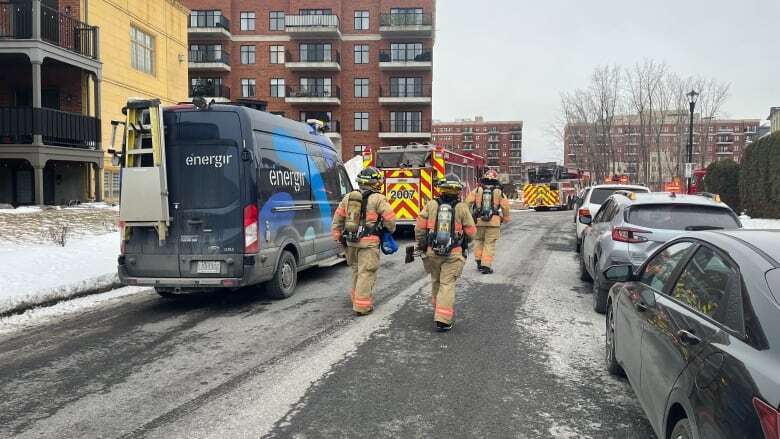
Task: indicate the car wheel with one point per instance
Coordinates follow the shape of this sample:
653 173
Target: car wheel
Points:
612 365
579 245
584 276
285 278
599 294
682 430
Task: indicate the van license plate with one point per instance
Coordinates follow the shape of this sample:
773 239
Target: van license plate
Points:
208 267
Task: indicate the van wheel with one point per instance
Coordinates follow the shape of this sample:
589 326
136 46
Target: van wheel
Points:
285 279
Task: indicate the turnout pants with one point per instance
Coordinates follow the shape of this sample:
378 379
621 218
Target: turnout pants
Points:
445 271
364 263
485 244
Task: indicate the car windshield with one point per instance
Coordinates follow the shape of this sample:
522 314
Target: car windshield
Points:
682 217
403 159
600 194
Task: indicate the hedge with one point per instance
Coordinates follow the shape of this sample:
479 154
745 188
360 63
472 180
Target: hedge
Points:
759 183
723 178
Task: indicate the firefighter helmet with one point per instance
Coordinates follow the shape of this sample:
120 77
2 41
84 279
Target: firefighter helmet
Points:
491 176
449 185
370 179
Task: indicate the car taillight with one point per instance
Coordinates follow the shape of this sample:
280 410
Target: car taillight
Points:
629 235
584 212
251 239
121 237
769 417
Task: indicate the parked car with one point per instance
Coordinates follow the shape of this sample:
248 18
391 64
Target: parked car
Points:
630 226
696 329
593 198
252 198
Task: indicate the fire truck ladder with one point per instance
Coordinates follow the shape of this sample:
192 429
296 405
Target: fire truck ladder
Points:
144 191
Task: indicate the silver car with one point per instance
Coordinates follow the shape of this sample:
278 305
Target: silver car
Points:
629 226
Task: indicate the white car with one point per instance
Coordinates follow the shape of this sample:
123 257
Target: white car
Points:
591 202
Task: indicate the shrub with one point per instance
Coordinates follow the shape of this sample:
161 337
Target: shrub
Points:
759 183
723 178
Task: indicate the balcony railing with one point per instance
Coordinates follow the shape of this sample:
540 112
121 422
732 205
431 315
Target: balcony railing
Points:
324 21
405 55
405 126
201 56
313 91
210 89
405 19
209 20
16 22
406 91
59 128
313 56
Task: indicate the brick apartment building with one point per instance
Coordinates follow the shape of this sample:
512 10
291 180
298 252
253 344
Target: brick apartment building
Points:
501 142
364 66
724 138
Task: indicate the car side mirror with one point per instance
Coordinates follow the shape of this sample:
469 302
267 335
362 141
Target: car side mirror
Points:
586 220
619 273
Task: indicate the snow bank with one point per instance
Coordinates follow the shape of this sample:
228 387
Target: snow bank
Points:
758 223
41 274
20 210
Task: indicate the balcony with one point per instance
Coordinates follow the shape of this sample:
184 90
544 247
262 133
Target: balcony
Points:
208 26
405 129
416 94
210 90
21 125
306 61
209 60
405 60
406 25
27 23
333 129
312 26
317 95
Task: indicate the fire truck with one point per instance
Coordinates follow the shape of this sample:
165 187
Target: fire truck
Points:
410 171
551 187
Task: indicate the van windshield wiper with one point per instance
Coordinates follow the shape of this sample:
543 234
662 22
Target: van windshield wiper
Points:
698 228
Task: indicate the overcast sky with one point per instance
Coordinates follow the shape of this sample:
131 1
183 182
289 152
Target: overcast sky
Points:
510 59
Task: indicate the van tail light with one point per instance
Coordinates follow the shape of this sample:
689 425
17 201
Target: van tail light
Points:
121 225
629 235
584 212
251 238
769 417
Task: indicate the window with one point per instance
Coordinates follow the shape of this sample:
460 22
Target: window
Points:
206 87
407 52
277 54
358 149
316 87
247 21
361 121
277 88
315 52
682 217
361 53
406 16
706 284
406 87
406 121
141 50
206 19
658 271
247 54
247 88
208 53
361 20
276 20
315 11
361 87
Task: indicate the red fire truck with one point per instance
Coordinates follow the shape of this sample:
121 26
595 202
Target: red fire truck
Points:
410 170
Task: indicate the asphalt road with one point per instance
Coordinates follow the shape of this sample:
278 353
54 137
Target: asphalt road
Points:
524 358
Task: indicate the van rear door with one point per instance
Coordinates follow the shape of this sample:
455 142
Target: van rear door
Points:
206 194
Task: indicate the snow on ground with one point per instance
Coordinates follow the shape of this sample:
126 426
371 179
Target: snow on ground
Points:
758 223
31 275
29 226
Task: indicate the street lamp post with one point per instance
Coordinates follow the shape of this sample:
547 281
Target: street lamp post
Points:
692 97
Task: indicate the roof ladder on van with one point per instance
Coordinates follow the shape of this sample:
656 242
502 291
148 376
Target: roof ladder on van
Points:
144 190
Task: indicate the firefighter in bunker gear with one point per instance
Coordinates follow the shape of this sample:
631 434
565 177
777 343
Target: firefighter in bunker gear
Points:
490 208
443 230
357 224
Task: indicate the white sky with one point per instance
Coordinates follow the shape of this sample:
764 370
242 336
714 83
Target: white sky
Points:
510 59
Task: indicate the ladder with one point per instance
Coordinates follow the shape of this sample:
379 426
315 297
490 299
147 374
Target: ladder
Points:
144 191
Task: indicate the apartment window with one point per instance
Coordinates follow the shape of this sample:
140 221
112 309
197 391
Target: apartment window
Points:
277 20
361 87
361 20
406 16
247 21
247 88
277 54
315 52
358 149
316 87
205 18
406 52
361 53
406 121
141 50
206 87
315 11
361 121
277 88
247 54
406 87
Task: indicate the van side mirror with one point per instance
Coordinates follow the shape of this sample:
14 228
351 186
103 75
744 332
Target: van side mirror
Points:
586 220
619 273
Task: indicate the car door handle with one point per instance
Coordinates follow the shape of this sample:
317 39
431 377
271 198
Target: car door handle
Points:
688 337
640 306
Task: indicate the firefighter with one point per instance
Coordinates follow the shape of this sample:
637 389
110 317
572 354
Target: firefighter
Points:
490 208
357 224
443 230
